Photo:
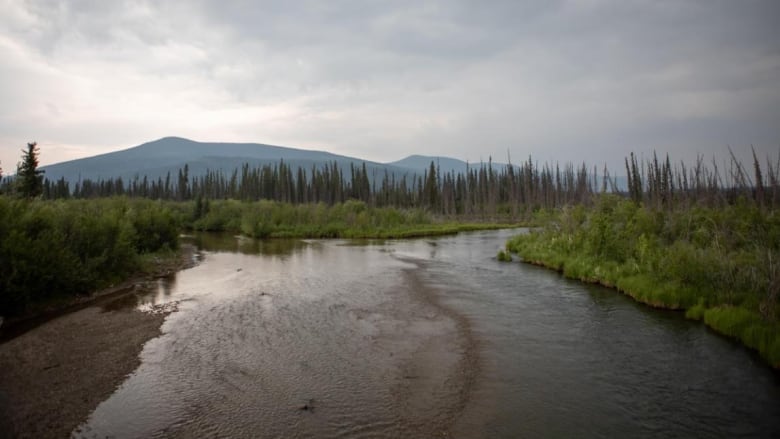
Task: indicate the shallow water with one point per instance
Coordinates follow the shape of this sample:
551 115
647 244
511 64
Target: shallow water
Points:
422 338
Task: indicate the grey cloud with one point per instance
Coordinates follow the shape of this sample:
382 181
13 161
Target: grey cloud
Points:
562 80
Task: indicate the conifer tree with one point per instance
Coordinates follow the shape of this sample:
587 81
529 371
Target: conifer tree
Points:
29 179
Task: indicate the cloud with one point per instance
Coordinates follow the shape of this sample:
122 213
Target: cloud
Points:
581 80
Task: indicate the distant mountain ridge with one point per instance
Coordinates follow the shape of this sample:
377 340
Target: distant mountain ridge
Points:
167 155
445 164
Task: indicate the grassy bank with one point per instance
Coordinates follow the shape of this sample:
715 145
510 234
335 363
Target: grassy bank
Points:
720 265
351 219
53 250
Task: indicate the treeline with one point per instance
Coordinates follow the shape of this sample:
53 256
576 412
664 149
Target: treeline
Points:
478 190
660 184
483 189
56 249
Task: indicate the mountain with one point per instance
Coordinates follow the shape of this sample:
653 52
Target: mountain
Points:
158 158
422 163
168 155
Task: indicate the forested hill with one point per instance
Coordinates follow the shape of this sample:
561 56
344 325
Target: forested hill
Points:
168 155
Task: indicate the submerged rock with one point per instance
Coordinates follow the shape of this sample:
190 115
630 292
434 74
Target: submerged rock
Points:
308 407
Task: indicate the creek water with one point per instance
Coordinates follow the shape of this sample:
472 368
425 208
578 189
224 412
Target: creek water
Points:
421 338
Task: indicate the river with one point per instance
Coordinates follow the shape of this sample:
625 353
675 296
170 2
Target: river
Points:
422 338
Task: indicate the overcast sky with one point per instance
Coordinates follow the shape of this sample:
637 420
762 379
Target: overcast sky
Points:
580 80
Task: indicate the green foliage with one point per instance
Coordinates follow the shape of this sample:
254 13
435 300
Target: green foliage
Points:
152 228
747 327
720 264
504 256
55 249
351 219
696 312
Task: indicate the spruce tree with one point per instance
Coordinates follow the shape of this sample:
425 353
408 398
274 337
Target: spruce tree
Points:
29 179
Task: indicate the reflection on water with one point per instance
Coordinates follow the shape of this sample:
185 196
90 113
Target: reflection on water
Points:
422 338
145 296
150 294
225 242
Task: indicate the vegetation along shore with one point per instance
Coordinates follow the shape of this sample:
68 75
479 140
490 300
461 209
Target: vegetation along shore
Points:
54 250
681 239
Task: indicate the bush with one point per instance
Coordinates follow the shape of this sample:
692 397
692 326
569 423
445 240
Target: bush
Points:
56 249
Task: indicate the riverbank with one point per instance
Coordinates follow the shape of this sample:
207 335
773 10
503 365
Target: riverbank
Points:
55 373
717 265
747 327
151 266
52 377
349 220
405 232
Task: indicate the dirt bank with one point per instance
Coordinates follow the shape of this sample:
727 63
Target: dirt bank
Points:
53 375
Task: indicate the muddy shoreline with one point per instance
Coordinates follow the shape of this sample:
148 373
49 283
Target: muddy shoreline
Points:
57 368
16 326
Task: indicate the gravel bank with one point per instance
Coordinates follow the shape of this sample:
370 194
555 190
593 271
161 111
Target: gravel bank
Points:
53 375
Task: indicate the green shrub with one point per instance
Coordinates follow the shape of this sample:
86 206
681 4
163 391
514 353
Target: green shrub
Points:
504 256
54 249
